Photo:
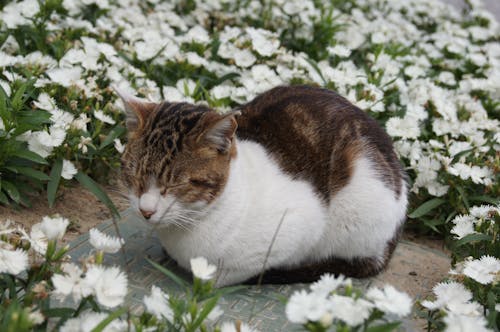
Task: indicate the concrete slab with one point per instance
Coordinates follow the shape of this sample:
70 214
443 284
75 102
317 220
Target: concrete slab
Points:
260 306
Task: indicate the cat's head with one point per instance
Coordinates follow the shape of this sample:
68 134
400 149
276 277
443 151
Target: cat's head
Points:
177 158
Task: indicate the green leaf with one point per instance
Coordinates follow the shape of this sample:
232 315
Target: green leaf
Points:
485 199
28 171
426 207
17 100
11 190
473 238
463 195
94 188
58 312
207 308
432 224
112 316
114 133
384 327
30 155
3 198
55 178
169 274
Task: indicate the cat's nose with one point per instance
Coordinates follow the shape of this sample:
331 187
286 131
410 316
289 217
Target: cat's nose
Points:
147 214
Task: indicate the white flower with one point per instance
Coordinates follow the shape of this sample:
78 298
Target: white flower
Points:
243 58
71 283
295 307
201 269
263 41
390 300
463 323
406 127
339 50
328 283
38 239
45 102
172 94
68 170
447 78
80 123
483 270
157 304
99 114
110 285
13 261
54 228
484 211
240 327
215 314
104 242
65 76
454 298
352 312
61 119
84 141
118 145
88 320
36 317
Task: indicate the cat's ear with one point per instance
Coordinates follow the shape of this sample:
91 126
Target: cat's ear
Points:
220 131
136 109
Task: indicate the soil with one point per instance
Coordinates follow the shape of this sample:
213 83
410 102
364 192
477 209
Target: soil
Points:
78 205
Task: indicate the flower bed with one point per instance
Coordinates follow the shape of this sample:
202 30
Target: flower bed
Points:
428 74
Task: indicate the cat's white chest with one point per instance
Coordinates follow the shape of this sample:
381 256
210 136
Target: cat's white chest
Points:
259 203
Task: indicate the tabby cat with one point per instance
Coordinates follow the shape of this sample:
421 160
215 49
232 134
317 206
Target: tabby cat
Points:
298 179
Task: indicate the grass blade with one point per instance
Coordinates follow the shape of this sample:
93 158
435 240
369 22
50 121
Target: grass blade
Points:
112 316
473 238
55 178
33 173
426 207
94 188
29 155
11 190
169 274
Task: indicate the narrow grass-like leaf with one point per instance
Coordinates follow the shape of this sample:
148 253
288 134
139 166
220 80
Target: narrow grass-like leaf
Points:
55 178
207 308
114 133
94 188
432 224
112 316
463 196
33 173
29 155
485 199
11 190
426 207
59 312
3 198
384 327
473 238
17 100
169 274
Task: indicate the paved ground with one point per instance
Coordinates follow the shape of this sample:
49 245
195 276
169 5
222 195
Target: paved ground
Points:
414 268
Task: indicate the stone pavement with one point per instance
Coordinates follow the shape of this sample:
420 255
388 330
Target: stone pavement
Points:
260 306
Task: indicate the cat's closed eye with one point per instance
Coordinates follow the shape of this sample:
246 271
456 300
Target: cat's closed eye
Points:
202 183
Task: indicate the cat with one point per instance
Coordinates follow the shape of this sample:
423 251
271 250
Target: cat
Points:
298 181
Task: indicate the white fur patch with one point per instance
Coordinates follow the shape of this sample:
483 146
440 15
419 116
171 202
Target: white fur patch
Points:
364 216
238 227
